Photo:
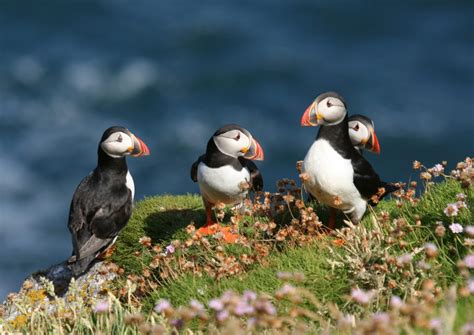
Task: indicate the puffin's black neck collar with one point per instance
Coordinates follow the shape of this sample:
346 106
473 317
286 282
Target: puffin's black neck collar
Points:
105 162
214 158
338 136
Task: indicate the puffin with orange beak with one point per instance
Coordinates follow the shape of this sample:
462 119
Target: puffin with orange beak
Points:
222 170
102 203
336 173
362 134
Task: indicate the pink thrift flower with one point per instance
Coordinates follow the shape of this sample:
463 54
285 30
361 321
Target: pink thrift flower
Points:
216 304
469 261
437 170
469 230
470 286
170 249
396 302
196 305
222 315
249 295
456 228
460 197
451 210
243 308
101 307
404 259
360 296
162 305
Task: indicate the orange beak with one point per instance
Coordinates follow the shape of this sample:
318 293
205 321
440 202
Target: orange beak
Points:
139 147
309 114
255 152
375 144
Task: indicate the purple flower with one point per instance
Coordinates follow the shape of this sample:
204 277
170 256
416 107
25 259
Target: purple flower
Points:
456 228
468 329
470 286
249 295
437 170
177 323
216 304
101 307
404 259
360 296
469 261
196 305
269 308
435 324
162 306
396 302
222 315
469 230
451 210
286 290
381 318
243 308
170 249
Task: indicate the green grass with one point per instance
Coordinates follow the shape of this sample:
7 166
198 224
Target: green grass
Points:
164 217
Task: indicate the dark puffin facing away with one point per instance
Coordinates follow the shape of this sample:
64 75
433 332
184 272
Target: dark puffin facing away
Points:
221 171
362 134
336 173
102 203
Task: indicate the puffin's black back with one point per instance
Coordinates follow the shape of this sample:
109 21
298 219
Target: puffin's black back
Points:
100 208
366 180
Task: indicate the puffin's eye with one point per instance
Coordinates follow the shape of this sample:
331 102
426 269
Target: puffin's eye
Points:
356 128
237 137
329 104
119 138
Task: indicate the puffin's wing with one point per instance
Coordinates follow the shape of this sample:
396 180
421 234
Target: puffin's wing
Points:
78 211
194 169
256 178
104 226
366 180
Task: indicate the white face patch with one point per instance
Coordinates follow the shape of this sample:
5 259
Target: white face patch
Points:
117 145
332 110
232 142
358 133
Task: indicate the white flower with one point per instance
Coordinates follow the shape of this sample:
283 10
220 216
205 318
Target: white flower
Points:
456 228
451 210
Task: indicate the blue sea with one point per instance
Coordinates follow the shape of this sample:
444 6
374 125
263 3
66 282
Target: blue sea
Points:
175 71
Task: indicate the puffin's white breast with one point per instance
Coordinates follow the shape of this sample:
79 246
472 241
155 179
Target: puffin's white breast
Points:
222 184
330 176
130 184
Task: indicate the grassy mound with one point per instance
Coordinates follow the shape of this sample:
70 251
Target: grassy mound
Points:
405 268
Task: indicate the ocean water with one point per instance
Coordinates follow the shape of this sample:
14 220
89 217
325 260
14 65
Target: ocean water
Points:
174 71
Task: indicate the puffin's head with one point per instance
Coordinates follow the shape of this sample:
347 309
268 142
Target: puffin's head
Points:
362 133
328 109
118 142
236 141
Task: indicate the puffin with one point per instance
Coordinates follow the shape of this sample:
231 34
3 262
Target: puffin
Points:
222 171
102 203
335 172
362 134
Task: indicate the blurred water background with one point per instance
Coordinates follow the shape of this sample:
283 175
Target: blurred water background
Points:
174 71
